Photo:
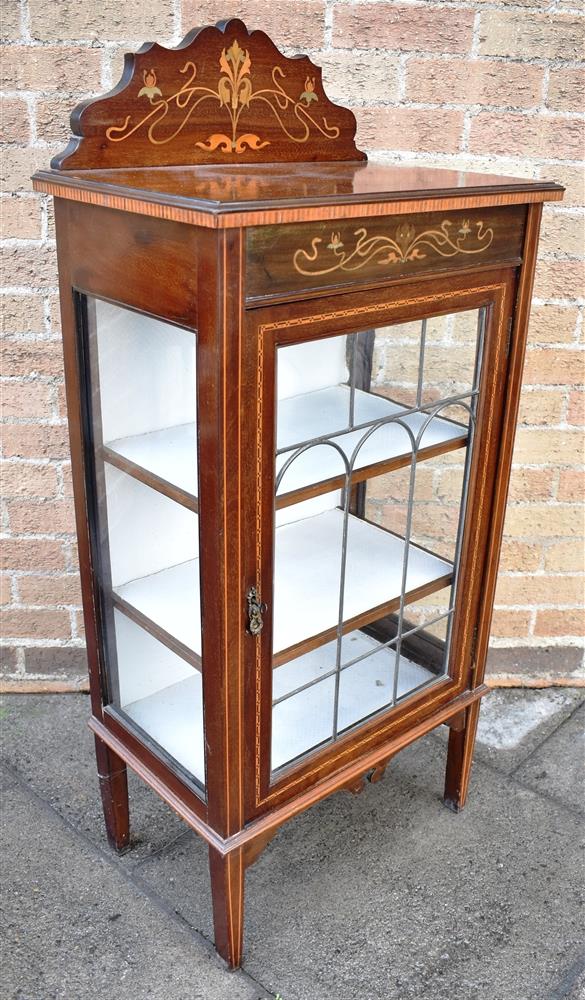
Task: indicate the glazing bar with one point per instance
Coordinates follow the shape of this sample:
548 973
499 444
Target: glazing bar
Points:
450 400
352 380
421 361
364 656
481 325
346 501
407 533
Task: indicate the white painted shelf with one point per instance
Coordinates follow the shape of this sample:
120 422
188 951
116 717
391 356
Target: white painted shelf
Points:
307 577
171 599
315 414
305 719
173 718
171 453
308 571
173 715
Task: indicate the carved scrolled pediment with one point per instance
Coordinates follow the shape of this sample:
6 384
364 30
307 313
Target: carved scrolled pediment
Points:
224 95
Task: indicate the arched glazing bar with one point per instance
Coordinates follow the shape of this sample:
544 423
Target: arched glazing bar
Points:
349 463
307 447
405 411
408 532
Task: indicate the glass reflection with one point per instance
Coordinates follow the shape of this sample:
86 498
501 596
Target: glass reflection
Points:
372 467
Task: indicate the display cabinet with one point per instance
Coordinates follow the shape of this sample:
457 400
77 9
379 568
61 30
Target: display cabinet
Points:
292 384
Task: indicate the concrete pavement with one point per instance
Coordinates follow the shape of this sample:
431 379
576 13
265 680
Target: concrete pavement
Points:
382 896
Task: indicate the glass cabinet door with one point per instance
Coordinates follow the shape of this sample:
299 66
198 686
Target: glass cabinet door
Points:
141 424
374 432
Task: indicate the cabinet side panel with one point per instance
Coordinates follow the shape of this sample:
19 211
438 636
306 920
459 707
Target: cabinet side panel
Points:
65 220
146 263
74 255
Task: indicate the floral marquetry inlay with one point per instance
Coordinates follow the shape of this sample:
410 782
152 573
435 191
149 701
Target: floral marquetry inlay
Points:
225 94
234 93
448 239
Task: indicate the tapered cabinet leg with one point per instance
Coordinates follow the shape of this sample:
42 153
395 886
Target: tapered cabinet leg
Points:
227 892
459 759
113 781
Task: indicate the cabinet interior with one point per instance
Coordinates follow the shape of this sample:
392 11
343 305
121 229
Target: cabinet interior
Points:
354 483
354 425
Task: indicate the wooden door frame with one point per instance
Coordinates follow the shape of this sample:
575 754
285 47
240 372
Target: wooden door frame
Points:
274 325
229 323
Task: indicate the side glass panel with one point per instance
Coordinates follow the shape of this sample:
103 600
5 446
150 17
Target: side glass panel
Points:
374 436
141 417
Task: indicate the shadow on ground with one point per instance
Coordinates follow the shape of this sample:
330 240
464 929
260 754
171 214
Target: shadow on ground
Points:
383 896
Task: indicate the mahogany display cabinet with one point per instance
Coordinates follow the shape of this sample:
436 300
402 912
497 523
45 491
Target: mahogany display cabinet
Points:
292 384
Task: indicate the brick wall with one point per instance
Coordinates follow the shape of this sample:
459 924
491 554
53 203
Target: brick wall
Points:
489 85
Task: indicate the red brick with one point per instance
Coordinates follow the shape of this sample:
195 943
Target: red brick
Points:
571 485
73 564
560 623
520 557
14 117
526 135
562 232
19 163
32 554
565 557
25 399
529 590
61 662
79 624
507 624
566 90
540 446
544 520
50 206
22 313
520 35
296 23
552 323
51 67
410 29
360 76
531 484
41 517
22 479
5 589
52 117
31 357
415 129
67 480
576 410
102 21
473 82
10 21
21 217
61 402
50 591
570 177
34 266
541 407
54 314
549 366
35 441
21 623
559 279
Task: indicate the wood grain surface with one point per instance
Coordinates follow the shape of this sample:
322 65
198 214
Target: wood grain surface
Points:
225 94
